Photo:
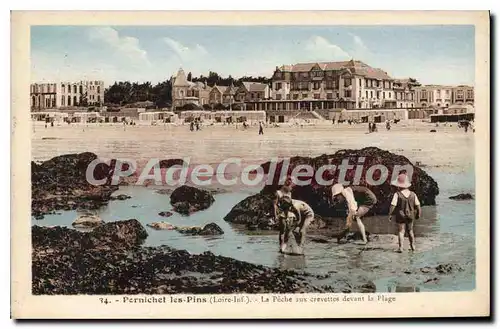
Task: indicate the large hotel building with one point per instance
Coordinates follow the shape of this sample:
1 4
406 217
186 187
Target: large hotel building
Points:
326 85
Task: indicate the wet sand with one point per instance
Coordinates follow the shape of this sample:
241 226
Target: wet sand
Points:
449 149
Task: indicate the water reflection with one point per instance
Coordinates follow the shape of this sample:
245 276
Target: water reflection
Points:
284 261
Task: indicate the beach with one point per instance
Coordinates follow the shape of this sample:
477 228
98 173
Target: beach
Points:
449 149
445 236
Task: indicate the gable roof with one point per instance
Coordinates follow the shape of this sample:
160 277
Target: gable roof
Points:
356 67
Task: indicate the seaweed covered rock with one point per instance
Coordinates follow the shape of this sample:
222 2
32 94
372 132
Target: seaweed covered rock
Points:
87 220
61 183
114 235
462 196
188 199
316 193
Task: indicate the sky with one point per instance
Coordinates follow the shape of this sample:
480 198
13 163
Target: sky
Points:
431 54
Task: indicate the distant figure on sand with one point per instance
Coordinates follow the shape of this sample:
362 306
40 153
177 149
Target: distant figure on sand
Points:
191 126
369 127
406 208
360 200
261 128
388 125
304 216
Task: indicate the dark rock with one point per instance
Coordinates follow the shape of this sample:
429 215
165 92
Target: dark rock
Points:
209 229
462 196
448 268
319 240
170 163
258 206
61 184
187 199
165 213
115 235
368 287
68 262
121 197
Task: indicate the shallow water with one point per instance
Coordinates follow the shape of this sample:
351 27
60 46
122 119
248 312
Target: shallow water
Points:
446 234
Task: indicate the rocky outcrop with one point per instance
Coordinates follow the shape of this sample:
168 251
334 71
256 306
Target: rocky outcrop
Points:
187 199
209 229
121 197
165 213
109 260
462 196
61 184
254 208
110 236
87 221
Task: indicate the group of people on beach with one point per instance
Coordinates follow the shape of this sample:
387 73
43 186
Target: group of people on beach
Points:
294 216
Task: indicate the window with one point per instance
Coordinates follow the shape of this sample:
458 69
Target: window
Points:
347 82
383 95
75 102
378 94
348 93
99 89
278 86
53 102
371 94
316 85
316 96
69 100
278 96
329 96
390 95
304 96
288 97
81 89
296 96
330 85
367 94
62 100
305 75
74 89
317 73
360 82
62 89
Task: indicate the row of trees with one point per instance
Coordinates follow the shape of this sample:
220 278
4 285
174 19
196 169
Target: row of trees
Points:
126 92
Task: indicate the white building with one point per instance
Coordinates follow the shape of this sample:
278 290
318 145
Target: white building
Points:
66 94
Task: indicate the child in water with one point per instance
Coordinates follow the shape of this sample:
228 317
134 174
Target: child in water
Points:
303 215
406 207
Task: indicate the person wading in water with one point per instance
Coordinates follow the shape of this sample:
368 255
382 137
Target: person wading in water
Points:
303 217
406 208
360 200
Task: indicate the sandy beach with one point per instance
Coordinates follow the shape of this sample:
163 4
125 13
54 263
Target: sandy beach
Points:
449 149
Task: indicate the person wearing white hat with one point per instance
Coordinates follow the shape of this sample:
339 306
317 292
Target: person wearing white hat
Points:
406 207
360 200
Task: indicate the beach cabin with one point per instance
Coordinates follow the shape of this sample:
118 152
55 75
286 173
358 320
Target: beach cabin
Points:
47 117
188 116
154 118
87 117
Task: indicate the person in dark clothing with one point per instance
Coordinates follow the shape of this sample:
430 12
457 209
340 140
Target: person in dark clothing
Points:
360 200
191 126
369 127
261 128
406 208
